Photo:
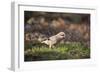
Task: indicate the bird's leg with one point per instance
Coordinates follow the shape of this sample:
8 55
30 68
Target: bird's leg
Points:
50 45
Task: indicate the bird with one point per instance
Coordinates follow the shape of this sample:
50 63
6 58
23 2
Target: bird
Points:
54 39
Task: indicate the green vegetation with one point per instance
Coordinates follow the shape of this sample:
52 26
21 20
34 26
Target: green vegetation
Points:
73 50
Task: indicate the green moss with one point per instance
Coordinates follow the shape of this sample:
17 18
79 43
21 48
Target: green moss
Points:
61 51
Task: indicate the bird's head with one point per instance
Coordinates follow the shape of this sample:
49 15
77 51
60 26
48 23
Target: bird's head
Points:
61 35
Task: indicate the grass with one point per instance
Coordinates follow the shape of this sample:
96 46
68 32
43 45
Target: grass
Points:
73 50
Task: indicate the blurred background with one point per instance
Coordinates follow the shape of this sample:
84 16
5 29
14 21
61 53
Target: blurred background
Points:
42 25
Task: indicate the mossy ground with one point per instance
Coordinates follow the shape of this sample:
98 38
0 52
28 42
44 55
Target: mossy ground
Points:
41 52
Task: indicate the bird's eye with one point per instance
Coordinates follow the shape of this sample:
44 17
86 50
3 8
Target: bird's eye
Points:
48 39
62 35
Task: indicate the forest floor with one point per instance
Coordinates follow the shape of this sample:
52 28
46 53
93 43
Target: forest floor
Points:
73 50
